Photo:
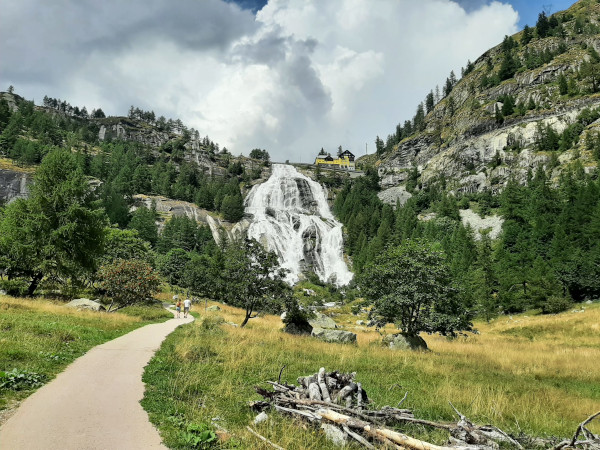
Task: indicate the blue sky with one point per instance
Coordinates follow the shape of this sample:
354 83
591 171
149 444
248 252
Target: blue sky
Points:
288 76
528 9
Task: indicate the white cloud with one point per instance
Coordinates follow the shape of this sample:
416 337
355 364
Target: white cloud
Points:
301 75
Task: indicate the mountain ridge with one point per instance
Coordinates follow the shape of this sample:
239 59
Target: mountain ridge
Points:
466 132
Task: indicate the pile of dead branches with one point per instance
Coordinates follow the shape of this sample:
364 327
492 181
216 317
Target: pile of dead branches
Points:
337 399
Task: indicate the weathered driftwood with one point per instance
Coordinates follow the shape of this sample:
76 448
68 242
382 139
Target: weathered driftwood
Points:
336 398
323 385
590 441
486 436
393 436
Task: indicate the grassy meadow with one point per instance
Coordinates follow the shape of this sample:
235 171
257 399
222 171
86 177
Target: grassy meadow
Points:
39 338
528 374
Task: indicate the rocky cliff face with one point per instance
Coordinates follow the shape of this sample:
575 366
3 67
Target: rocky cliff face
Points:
126 129
464 138
13 184
168 208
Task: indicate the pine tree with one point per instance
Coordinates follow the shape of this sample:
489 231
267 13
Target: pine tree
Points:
429 102
563 86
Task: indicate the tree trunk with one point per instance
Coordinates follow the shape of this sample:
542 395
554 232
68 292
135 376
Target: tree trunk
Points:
35 281
248 313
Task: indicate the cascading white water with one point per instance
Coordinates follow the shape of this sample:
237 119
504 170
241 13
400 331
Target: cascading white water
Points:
291 217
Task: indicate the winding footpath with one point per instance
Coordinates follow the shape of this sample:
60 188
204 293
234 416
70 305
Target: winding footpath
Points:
94 403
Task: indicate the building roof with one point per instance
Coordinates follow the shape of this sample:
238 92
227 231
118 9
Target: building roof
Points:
346 152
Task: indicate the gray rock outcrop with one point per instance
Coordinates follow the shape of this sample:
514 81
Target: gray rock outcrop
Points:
85 303
394 195
492 225
322 321
13 184
337 336
402 341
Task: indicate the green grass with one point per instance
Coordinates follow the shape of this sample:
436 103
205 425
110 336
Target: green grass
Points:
535 375
40 338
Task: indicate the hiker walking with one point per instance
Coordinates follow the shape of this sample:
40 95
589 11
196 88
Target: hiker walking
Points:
187 304
178 307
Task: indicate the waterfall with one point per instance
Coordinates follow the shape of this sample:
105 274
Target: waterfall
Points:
291 217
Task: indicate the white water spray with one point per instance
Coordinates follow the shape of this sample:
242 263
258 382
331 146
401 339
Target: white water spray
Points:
291 217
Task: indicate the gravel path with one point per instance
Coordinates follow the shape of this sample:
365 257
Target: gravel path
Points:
94 403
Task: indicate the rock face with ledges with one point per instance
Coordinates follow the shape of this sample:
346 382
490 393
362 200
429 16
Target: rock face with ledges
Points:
13 184
473 149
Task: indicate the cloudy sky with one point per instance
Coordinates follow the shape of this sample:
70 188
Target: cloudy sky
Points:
289 76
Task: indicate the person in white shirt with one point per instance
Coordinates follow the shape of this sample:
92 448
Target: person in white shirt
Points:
187 304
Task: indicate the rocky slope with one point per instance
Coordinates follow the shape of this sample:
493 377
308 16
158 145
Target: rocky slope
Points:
167 208
465 138
13 181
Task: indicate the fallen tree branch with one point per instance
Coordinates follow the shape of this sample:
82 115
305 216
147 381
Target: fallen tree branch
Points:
393 436
264 439
591 440
280 372
341 400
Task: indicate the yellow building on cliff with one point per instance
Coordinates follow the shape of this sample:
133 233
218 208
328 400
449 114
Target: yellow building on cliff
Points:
344 160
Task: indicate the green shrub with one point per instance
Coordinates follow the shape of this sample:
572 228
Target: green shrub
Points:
16 288
555 305
128 282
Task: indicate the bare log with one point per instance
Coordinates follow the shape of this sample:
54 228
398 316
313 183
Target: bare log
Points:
333 406
280 387
311 417
582 429
264 439
323 385
357 437
345 392
314 393
395 437
591 440
469 433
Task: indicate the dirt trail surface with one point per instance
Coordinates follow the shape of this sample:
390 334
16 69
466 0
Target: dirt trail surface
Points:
94 403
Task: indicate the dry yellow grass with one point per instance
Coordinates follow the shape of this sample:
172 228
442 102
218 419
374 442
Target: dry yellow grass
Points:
9 164
58 308
536 374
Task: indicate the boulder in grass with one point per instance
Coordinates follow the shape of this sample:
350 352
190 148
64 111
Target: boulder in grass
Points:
322 321
329 335
403 341
213 308
86 303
